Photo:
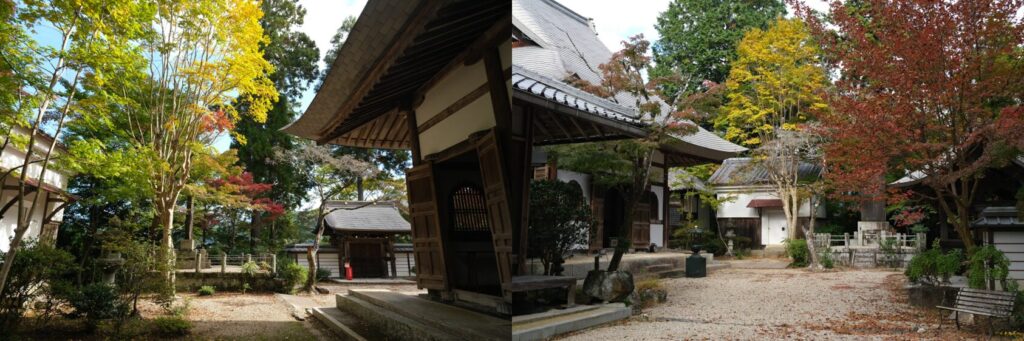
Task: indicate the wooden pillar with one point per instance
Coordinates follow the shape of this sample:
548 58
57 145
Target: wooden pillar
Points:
394 259
414 133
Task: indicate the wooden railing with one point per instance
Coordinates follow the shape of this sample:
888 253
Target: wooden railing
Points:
200 260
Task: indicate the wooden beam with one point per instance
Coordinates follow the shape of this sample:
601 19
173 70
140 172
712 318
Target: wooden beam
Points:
578 127
454 107
485 40
49 216
423 11
14 200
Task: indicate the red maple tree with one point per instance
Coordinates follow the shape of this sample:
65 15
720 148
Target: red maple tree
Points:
930 88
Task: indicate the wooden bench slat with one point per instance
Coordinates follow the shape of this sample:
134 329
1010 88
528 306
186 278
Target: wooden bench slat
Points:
971 311
983 302
990 297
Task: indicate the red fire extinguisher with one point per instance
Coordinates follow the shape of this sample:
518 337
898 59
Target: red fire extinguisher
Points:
348 271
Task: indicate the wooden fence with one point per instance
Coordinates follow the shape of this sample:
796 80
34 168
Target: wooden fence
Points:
200 260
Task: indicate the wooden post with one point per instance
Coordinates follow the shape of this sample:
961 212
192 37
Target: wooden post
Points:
846 240
223 262
273 263
248 258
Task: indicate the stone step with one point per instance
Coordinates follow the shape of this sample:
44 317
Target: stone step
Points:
557 323
656 268
672 274
441 319
347 326
393 325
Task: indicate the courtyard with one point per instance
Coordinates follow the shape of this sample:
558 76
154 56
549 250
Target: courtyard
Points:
764 299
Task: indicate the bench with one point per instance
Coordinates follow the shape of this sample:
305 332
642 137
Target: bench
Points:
536 282
994 304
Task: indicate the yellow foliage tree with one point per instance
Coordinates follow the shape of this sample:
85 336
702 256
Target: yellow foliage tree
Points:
775 83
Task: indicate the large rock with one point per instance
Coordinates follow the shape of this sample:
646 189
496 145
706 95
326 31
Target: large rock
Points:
614 286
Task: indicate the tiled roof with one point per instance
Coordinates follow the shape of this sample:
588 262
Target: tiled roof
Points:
356 216
568 46
1000 216
740 171
530 82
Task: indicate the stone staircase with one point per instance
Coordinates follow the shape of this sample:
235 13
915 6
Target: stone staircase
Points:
551 323
386 315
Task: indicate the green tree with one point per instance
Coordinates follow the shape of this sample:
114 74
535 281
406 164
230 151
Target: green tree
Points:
699 37
560 219
294 57
177 96
45 81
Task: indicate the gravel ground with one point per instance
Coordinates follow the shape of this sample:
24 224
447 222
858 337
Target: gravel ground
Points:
233 316
752 301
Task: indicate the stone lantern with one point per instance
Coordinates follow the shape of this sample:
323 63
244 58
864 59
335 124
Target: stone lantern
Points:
109 264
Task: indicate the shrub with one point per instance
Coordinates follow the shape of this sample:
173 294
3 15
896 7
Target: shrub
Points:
180 309
172 326
987 265
97 302
27 277
322 274
250 268
206 290
264 266
890 252
932 265
796 249
292 274
826 259
560 219
649 292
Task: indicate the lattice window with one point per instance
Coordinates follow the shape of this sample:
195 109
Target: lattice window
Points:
468 209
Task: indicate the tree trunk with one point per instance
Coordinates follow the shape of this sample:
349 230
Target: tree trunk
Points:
359 188
625 233
311 252
190 206
166 211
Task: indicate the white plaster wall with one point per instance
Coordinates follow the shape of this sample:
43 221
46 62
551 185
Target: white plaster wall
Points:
14 157
658 235
10 220
737 208
477 116
581 178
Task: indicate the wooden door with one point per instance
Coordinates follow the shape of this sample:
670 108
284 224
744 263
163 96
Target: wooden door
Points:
597 233
642 225
366 260
492 171
427 243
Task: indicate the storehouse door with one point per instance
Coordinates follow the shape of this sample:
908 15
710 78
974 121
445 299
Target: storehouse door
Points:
492 172
642 225
427 244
